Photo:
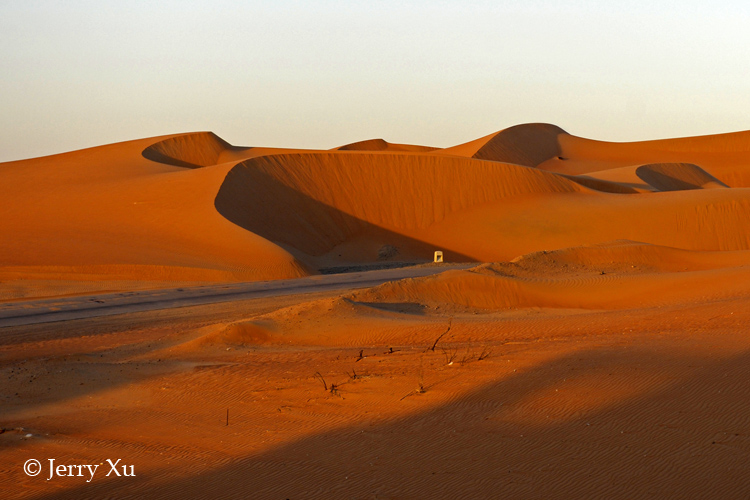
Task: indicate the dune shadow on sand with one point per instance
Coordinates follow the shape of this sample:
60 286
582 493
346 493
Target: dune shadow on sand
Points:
682 432
399 307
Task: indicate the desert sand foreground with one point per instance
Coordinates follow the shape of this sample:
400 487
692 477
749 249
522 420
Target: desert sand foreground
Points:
598 348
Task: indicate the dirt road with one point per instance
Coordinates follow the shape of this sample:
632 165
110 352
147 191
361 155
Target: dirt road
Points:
107 304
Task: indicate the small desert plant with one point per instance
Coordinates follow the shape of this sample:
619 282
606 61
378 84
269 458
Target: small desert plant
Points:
325 385
450 355
485 353
467 357
333 388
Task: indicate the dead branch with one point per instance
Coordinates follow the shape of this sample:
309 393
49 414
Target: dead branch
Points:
450 322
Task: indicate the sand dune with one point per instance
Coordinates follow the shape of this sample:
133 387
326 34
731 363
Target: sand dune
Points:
548 147
193 207
528 145
381 145
329 199
724 155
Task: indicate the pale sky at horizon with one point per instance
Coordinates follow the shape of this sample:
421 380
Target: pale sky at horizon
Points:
281 73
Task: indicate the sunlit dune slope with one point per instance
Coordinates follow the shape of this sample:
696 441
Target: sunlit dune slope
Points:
581 278
714 219
632 257
109 211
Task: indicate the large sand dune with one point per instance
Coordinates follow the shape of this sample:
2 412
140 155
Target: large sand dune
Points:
193 207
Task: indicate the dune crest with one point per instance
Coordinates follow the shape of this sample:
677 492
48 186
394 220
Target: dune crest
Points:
732 142
528 145
194 150
382 145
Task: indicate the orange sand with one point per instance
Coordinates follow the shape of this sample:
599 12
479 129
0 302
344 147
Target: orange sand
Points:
597 350
191 207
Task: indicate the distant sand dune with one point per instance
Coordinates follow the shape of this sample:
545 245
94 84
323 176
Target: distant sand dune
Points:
528 145
381 145
725 156
199 149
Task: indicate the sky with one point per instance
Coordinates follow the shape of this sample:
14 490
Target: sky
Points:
320 74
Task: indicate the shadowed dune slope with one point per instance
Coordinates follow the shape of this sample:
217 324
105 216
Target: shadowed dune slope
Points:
649 178
313 202
528 144
603 185
677 177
